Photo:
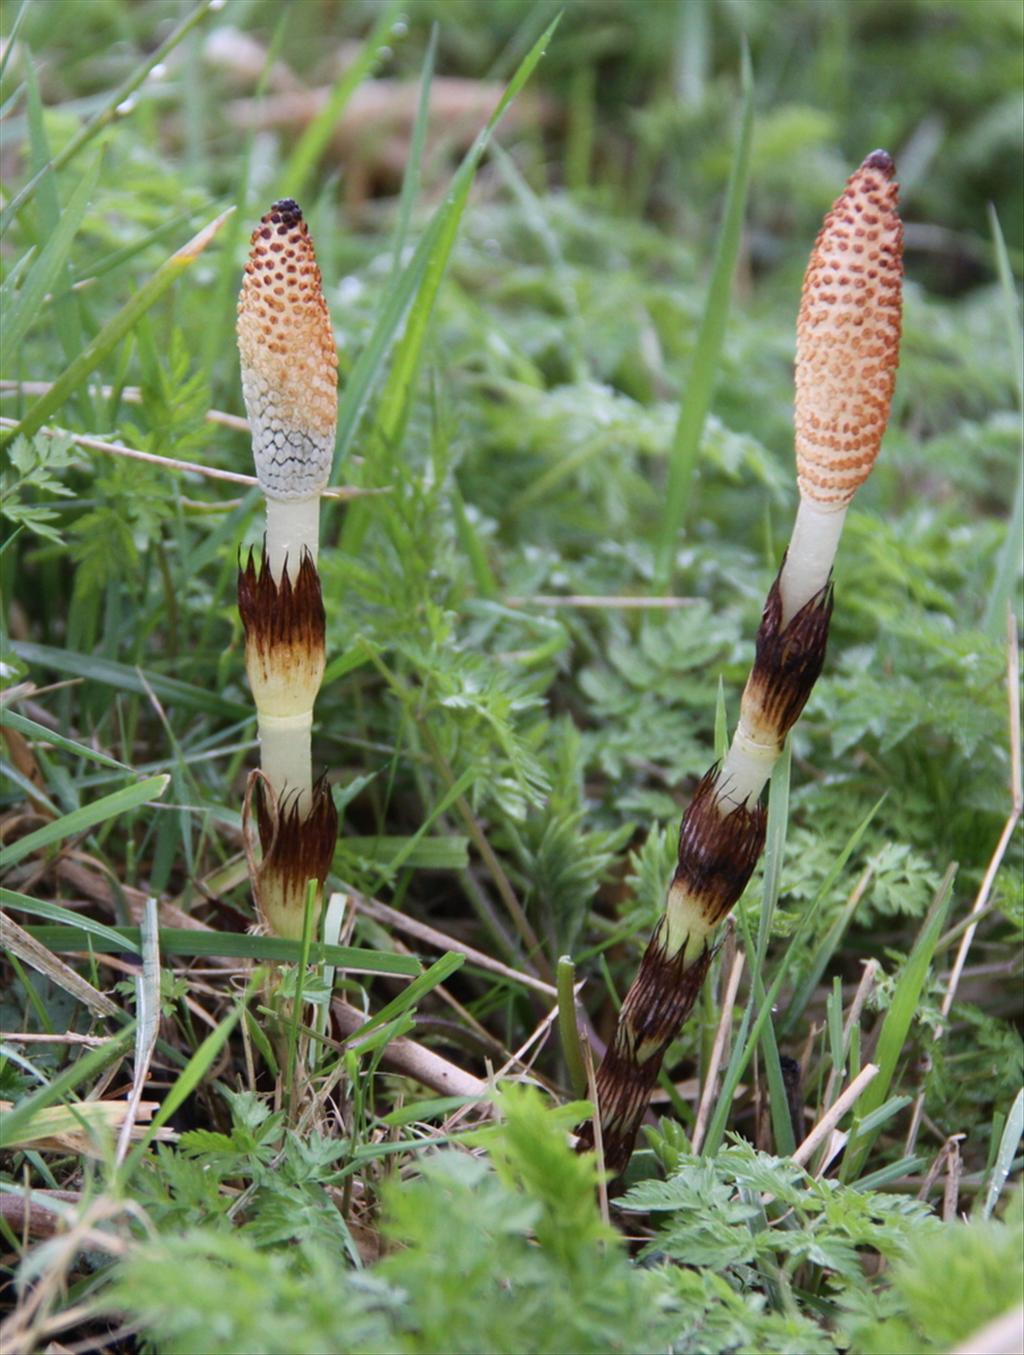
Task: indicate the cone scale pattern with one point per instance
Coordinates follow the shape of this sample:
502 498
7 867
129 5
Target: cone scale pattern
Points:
848 336
288 359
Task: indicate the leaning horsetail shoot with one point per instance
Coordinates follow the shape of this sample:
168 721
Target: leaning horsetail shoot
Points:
848 335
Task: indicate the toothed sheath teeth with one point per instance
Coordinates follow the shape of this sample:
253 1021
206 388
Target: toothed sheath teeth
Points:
297 847
285 657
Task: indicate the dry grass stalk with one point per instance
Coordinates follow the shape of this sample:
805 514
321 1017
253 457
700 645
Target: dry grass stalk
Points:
821 1131
85 1128
410 1059
717 1051
1002 1336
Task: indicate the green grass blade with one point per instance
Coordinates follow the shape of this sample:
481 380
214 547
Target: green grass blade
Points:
433 1109
408 847
18 269
107 112
572 1050
368 367
1008 561
896 1027
370 363
775 848
66 919
87 817
16 1121
437 973
834 1026
750 1028
12 36
50 262
396 396
192 1074
125 678
581 129
116 328
874 1122
117 257
1011 1136
432 853
27 786
235 945
805 989
472 546
1011 309
747 1037
721 722
297 1002
697 391
895 1171
313 141
411 178
65 309
13 720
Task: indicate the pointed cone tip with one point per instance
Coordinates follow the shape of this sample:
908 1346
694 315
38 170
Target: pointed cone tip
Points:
882 161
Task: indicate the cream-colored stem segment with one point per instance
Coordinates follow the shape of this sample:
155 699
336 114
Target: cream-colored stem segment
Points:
812 550
286 757
747 766
293 526
685 924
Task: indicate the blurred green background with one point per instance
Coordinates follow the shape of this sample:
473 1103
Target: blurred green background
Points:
562 335
642 93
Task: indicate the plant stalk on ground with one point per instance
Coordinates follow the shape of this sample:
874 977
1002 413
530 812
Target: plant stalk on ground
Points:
847 353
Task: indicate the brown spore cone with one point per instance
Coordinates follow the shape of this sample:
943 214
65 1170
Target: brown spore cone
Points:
288 357
848 335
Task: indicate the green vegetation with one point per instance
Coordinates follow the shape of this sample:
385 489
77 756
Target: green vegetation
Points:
222 1141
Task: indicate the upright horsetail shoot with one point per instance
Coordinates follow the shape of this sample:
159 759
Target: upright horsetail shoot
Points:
848 336
289 382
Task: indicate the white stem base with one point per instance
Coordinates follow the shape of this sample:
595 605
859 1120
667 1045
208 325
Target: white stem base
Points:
293 526
812 550
287 759
745 770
